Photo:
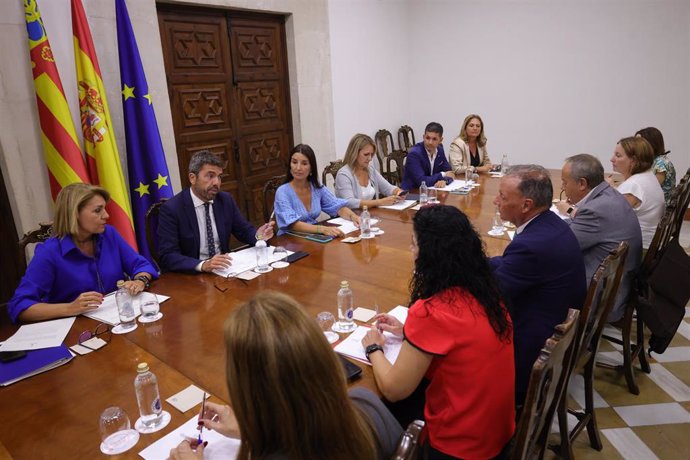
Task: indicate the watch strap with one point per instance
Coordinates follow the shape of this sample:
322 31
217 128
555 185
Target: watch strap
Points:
372 348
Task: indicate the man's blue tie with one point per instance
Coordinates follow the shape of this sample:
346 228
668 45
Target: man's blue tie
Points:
209 232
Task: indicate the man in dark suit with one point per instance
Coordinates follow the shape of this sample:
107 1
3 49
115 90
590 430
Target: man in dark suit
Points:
541 272
194 226
427 162
600 218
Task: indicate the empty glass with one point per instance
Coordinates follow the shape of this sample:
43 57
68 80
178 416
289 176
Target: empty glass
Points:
150 308
497 225
326 321
279 255
432 194
117 435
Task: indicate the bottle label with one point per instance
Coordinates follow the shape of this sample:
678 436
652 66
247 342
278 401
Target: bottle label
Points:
349 313
156 405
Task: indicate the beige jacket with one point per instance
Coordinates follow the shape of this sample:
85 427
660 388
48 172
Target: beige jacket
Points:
459 155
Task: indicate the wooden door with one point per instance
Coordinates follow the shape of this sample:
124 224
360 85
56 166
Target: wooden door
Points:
229 93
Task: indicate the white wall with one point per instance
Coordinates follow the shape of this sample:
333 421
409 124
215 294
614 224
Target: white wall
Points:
550 78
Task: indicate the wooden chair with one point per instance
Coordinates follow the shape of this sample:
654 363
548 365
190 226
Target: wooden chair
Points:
331 170
37 235
384 149
405 138
408 447
601 297
399 157
547 385
269 194
151 227
669 227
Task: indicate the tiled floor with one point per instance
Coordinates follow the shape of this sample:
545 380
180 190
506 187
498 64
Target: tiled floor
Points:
656 423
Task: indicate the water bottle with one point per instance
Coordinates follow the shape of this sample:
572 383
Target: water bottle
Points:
345 322
497 224
365 224
423 193
148 398
469 174
504 164
125 308
261 249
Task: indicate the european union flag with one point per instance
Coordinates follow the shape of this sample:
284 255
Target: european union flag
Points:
149 180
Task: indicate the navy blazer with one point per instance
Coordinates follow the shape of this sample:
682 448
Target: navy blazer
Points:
541 274
418 168
178 230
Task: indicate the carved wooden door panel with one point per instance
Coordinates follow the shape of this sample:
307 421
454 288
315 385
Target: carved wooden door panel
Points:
229 93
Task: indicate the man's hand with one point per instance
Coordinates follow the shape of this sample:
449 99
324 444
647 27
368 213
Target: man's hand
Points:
217 262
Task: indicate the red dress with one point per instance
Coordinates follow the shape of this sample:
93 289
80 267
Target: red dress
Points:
470 402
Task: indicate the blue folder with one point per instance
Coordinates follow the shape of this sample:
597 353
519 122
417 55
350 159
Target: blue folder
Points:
34 362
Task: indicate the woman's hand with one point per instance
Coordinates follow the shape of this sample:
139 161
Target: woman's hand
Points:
389 323
188 450
486 167
373 337
86 301
331 231
135 286
355 219
220 418
563 206
388 201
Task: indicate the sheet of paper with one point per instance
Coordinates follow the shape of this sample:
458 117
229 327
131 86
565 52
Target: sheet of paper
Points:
46 334
352 347
248 275
363 314
93 344
107 312
187 398
219 447
245 260
455 185
400 313
399 206
347 226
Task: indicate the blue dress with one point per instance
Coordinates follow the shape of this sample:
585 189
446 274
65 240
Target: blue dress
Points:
59 271
289 208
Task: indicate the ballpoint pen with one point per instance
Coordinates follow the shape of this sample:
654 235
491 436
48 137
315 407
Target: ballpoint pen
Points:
201 426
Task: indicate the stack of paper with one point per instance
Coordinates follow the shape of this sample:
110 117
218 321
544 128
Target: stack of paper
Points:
245 260
399 206
107 312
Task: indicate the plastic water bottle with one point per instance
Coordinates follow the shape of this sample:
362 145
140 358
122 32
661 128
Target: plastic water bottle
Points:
125 308
345 322
423 193
261 249
148 398
504 164
365 224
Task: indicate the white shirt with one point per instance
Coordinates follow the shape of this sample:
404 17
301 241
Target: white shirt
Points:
645 187
432 157
367 192
201 220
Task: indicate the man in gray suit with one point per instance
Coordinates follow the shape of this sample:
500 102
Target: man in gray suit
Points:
600 218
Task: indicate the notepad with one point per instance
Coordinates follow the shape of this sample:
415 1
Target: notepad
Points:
400 206
352 346
34 363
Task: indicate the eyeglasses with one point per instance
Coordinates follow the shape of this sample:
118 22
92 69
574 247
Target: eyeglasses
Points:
102 331
223 284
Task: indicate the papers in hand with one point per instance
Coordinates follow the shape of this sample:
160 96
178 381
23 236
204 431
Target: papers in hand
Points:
219 447
352 346
46 334
245 260
400 205
107 312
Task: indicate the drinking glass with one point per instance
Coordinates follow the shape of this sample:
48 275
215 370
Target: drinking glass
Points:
150 309
326 321
497 226
117 435
432 194
279 255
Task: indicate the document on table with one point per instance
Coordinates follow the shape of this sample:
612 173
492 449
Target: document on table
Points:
400 205
400 313
456 185
107 312
219 447
245 260
347 226
352 346
46 334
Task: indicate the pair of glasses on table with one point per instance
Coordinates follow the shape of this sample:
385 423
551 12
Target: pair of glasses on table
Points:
103 332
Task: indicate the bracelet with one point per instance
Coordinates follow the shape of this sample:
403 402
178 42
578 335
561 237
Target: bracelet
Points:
318 229
143 279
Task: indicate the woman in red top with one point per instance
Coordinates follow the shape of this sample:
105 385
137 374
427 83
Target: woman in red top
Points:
458 335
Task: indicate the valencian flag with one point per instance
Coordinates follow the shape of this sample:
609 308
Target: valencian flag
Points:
102 158
149 180
60 145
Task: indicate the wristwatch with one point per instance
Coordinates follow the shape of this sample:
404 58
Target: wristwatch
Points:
143 279
372 348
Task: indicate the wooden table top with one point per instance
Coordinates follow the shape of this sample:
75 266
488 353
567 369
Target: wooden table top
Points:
59 410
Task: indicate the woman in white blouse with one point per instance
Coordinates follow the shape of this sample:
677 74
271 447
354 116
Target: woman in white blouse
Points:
633 158
469 148
358 181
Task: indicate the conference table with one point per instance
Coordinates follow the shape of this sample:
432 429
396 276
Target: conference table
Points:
55 414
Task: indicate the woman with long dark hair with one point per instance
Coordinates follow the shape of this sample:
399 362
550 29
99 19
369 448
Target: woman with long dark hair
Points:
458 335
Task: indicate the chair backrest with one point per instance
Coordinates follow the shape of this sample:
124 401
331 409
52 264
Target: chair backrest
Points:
546 388
405 137
331 170
683 200
37 235
601 297
269 194
399 157
384 147
151 227
408 446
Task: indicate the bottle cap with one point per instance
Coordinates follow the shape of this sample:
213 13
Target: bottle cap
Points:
120 283
344 284
142 367
364 208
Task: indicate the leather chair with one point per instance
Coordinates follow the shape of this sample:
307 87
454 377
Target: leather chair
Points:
405 138
601 297
408 446
668 228
269 195
547 385
331 170
151 227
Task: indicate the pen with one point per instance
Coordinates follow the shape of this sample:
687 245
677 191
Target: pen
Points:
203 409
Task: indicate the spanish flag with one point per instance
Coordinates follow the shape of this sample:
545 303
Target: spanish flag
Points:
60 144
102 157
